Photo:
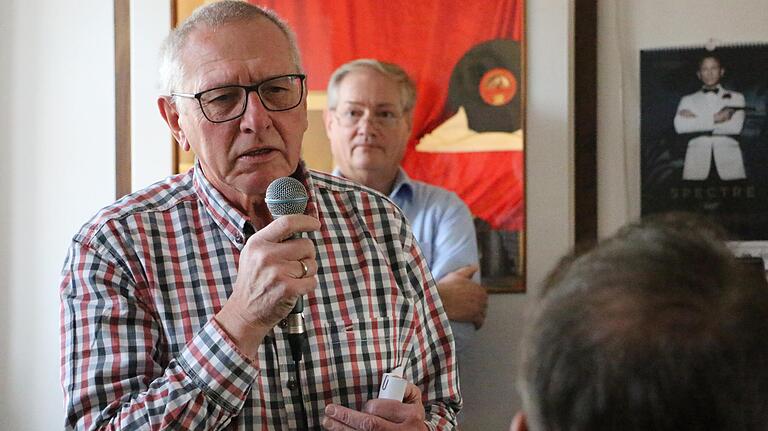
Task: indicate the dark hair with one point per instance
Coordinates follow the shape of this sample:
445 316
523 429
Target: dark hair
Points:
654 329
706 56
685 222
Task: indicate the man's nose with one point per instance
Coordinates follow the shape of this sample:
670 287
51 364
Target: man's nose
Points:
256 116
367 123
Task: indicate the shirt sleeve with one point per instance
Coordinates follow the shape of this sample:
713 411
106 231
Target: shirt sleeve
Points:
455 242
432 358
115 372
455 246
734 125
703 120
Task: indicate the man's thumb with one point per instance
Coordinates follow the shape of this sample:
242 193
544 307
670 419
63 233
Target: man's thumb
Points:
467 271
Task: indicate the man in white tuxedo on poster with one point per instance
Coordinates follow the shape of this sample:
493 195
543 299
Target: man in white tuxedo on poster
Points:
715 117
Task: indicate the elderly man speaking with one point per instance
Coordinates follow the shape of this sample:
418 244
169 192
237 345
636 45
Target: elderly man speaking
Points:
174 298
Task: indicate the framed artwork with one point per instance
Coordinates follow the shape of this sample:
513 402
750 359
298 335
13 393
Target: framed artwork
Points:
468 66
468 123
704 135
316 151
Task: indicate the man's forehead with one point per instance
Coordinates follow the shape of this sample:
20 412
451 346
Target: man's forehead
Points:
709 62
365 104
211 56
256 34
365 85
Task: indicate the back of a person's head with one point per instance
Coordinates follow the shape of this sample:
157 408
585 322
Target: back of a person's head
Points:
653 329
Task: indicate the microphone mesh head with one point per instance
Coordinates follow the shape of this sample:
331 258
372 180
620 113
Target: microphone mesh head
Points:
286 195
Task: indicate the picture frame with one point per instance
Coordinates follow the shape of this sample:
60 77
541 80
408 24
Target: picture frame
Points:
704 134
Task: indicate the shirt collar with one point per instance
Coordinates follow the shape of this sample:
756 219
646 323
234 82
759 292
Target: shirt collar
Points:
402 186
232 222
718 89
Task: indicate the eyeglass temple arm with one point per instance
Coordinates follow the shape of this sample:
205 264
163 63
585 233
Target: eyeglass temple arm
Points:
191 96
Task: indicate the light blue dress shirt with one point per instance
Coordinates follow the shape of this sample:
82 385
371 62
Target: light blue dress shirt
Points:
443 226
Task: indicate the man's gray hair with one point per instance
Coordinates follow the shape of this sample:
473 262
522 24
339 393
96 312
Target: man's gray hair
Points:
390 70
213 15
657 328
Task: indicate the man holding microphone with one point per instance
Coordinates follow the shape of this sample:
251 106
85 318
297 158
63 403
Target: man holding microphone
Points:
174 298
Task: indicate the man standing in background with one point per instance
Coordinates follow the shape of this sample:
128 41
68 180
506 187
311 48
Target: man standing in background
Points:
368 122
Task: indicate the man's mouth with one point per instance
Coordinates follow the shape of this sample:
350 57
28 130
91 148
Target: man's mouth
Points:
257 153
367 146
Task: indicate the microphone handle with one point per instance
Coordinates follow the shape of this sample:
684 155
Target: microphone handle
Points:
298 307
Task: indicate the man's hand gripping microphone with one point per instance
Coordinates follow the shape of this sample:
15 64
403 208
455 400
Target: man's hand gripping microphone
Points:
286 196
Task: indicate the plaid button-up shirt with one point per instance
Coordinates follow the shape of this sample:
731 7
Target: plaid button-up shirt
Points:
145 276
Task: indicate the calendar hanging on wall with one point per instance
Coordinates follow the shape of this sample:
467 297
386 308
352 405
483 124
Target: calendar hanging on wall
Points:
704 134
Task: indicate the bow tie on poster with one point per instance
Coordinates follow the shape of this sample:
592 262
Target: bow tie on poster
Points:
710 90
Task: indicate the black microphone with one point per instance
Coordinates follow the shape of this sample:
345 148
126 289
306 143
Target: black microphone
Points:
286 196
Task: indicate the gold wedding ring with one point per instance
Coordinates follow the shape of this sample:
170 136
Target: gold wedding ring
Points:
304 269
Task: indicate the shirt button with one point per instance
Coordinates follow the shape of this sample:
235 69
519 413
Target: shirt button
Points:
284 323
291 384
239 239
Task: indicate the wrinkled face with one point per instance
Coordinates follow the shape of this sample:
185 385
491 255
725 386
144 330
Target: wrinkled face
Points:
710 72
377 142
242 156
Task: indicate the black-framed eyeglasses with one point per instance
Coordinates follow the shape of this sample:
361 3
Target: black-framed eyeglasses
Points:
228 102
352 115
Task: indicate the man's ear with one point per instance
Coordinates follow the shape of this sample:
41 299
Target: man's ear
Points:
170 114
519 422
409 121
327 118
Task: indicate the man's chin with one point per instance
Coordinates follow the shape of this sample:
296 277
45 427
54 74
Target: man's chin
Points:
368 161
258 181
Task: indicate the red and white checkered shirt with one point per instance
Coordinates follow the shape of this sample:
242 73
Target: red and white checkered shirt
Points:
145 276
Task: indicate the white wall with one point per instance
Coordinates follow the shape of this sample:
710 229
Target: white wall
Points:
626 27
57 168
151 146
488 378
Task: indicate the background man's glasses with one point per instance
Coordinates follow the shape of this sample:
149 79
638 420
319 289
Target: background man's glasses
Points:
229 102
351 117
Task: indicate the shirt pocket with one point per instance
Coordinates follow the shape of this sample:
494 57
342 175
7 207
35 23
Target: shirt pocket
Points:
358 352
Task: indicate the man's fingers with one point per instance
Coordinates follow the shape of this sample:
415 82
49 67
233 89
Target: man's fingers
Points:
334 425
480 316
392 410
479 320
482 292
466 271
342 418
379 414
478 295
399 415
412 394
286 226
305 267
